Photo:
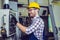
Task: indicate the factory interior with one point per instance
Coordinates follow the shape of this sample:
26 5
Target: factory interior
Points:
49 12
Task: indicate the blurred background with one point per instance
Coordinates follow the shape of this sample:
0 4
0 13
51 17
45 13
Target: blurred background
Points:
49 12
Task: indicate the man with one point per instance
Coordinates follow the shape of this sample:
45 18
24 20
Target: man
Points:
35 30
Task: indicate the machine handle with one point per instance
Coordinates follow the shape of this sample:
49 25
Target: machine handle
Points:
56 30
3 20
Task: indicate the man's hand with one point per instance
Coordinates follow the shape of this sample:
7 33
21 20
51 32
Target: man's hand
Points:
20 26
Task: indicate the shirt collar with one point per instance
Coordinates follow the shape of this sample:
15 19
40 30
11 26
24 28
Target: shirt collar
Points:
35 17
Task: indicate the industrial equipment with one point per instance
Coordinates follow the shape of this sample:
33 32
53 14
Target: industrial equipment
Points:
6 23
54 9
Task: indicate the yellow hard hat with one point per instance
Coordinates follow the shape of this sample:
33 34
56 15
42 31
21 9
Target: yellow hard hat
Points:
34 5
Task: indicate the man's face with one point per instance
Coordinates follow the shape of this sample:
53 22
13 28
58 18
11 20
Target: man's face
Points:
32 12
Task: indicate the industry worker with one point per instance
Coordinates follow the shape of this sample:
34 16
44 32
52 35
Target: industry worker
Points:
35 30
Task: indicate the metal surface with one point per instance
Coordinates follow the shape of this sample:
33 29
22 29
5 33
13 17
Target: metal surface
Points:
55 31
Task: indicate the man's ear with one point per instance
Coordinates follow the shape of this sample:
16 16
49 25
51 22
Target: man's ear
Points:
37 10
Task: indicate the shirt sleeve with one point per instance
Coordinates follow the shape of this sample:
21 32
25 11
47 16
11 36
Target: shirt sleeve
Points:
33 26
